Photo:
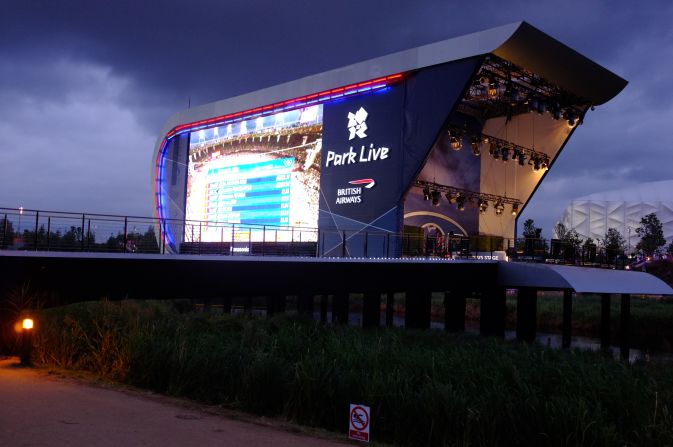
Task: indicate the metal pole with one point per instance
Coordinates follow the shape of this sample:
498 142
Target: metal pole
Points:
88 235
199 237
126 227
37 218
4 232
343 243
48 232
82 233
263 239
366 240
163 237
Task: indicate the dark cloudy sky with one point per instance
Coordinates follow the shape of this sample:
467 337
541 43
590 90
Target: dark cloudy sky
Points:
85 86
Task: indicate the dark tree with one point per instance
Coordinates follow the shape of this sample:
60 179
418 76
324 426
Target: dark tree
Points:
651 233
613 240
529 229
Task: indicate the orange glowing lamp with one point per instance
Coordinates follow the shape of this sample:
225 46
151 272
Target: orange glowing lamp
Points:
27 323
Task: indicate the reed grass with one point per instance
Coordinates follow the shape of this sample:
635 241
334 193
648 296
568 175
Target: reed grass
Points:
424 387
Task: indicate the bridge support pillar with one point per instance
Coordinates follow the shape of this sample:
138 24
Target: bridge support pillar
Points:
305 304
417 309
340 308
567 318
323 308
454 310
390 309
526 314
371 310
624 326
493 306
605 322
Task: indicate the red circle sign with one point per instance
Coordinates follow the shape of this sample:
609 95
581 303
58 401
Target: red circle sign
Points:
359 418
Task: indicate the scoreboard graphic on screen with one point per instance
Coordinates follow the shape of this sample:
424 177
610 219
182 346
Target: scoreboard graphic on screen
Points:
252 193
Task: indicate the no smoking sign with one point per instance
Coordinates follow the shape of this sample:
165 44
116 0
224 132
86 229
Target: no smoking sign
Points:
358 425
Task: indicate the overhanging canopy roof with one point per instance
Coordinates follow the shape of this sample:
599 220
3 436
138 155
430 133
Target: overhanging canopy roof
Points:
520 43
579 279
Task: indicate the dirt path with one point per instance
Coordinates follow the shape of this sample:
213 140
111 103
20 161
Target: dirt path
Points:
38 409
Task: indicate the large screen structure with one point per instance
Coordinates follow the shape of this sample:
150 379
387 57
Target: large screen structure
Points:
252 180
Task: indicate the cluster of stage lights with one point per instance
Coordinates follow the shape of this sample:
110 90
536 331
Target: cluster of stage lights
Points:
500 149
492 88
462 198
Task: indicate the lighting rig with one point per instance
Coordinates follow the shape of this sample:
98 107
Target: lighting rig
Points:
503 89
499 149
461 197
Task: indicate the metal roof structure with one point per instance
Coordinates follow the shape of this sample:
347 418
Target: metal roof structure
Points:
519 43
580 279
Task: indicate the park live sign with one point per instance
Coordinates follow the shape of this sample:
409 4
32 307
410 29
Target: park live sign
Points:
359 421
361 154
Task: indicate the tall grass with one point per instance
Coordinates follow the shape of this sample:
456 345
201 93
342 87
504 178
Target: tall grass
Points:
424 388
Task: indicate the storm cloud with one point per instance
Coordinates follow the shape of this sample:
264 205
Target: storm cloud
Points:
86 86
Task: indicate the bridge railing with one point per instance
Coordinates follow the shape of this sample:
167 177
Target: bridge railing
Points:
39 230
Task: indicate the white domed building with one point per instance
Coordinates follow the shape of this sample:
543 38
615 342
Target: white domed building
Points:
592 215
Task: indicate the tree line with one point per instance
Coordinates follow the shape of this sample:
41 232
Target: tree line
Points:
75 239
650 232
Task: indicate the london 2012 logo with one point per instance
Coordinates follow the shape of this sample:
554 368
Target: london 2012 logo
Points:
357 123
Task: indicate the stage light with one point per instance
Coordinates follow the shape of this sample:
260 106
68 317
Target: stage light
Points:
557 113
533 104
426 193
495 151
542 107
572 119
436 195
453 197
522 159
536 164
455 143
483 206
483 80
474 143
515 209
505 154
493 89
499 207
544 164
460 203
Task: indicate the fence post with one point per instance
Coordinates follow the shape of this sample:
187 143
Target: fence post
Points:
387 239
37 218
163 237
343 243
82 233
366 240
126 227
48 232
263 239
200 238
4 232
88 235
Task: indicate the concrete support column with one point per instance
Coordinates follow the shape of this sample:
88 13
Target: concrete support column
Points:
567 318
417 313
605 322
323 308
454 310
390 309
275 304
340 308
493 306
625 317
305 304
526 314
371 310
226 305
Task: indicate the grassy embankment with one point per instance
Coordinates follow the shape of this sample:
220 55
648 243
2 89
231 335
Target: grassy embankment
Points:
425 388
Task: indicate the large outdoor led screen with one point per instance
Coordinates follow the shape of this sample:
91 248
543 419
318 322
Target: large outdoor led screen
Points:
253 179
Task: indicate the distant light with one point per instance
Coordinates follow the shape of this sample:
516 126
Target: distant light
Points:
27 323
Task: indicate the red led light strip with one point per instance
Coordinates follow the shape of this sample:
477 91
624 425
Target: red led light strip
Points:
322 96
